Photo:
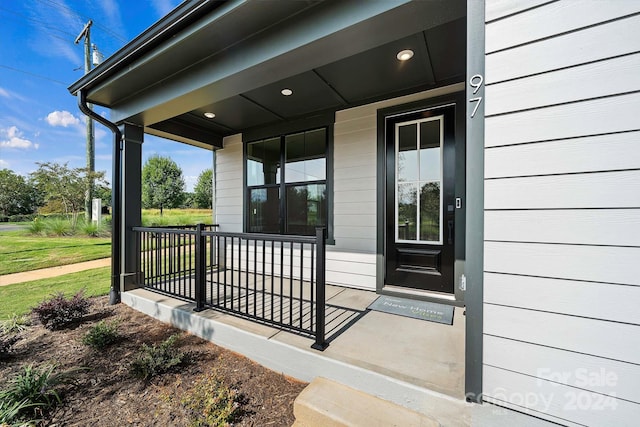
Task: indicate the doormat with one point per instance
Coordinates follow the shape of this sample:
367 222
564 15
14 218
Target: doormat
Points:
423 310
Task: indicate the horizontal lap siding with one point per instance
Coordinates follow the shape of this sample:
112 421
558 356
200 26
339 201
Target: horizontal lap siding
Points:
562 210
228 207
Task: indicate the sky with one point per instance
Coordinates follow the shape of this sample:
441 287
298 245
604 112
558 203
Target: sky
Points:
39 119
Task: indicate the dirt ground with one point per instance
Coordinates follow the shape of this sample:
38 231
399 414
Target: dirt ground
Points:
106 394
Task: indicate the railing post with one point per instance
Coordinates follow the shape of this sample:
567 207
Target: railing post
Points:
320 343
201 252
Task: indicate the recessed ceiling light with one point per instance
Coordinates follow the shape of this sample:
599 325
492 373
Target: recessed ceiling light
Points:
405 55
286 92
209 115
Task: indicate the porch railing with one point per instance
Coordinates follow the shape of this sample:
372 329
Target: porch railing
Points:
273 279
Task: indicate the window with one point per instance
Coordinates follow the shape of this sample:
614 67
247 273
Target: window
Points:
290 199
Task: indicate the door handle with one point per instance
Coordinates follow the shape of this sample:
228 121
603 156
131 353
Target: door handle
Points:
450 226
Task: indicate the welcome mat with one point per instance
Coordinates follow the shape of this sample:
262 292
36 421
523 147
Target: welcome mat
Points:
423 310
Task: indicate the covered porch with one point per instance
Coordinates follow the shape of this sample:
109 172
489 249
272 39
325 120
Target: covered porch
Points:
249 81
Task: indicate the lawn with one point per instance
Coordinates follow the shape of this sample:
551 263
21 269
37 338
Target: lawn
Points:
20 252
176 217
20 297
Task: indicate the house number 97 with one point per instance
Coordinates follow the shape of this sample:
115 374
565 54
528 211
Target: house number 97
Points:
476 83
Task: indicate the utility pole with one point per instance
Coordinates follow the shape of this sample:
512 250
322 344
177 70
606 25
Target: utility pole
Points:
91 145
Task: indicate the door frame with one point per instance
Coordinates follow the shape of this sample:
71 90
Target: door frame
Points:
458 100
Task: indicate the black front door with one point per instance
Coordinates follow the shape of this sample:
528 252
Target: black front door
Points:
420 199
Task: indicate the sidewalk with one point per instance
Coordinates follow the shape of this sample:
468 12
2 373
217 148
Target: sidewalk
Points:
44 273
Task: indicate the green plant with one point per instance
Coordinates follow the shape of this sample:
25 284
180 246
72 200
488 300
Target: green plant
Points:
211 403
58 311
58 227
101 335
157 359
14 324
10 414
36 226
34 389
93 229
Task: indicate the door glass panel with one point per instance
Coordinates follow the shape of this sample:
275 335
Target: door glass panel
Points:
430 212
306 208
264 208
430 151
263 162
407 211
418 181
407 153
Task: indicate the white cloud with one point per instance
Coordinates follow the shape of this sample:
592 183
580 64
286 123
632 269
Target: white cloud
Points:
4 164
13 138
164 6
4 93
62 118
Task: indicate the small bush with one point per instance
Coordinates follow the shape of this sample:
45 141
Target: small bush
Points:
157 359
101 335
58 312
33 390
7 342
91 229
21 218
14 324
10 414
58 227
211 403
36 226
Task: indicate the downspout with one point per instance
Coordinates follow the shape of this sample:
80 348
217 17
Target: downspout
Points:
116 194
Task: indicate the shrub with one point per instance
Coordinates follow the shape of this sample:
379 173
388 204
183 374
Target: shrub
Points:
10 414
92 229
58 312
58 227
101 335
21 218
157 359
33 390
6 345
14 324
36 226
211 403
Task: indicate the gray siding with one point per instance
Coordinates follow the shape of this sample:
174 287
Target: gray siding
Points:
562 210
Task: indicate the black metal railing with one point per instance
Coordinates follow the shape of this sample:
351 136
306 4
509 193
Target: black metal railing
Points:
273 279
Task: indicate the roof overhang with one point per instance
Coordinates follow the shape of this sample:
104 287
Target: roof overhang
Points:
235 56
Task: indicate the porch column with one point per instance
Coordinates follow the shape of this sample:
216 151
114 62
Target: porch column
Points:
132 139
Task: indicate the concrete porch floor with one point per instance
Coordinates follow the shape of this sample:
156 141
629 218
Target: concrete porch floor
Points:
413 363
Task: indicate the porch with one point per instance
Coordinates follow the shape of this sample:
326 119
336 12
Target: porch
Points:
265 297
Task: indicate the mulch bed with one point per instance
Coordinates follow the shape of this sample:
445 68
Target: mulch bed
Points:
106 394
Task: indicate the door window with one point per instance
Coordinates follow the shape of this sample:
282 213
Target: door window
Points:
419 181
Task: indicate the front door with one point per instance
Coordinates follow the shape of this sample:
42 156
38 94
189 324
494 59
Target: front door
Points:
420 199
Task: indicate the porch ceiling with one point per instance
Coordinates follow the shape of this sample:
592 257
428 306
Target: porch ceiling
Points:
332 55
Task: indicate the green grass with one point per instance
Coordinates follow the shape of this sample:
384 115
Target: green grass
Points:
19 252
21 297
176 217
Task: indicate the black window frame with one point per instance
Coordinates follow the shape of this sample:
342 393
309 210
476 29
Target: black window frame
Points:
282 133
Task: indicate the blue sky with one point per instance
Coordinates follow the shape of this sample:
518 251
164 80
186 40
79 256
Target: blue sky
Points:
39 119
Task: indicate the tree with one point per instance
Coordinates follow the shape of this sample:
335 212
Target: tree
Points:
17 195
204 190
60 184
162 183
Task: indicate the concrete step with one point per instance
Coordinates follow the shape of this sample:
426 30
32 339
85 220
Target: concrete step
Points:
327 403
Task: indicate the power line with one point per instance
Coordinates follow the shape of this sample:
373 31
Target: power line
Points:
34 75
61 6
37 21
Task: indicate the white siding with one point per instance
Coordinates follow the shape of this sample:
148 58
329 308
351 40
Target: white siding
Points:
562 210
229 185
